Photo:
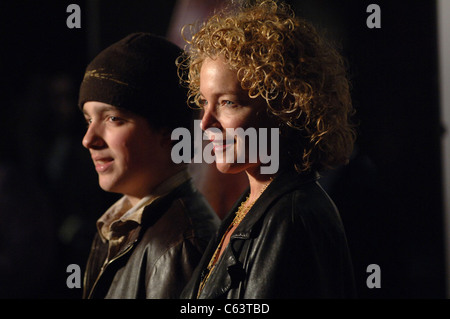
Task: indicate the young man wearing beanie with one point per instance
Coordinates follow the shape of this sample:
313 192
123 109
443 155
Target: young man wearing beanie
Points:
149 242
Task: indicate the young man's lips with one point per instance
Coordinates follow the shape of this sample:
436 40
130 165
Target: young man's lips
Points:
102 164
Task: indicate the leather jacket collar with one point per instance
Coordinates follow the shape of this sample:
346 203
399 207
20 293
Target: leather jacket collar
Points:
281 184
286 181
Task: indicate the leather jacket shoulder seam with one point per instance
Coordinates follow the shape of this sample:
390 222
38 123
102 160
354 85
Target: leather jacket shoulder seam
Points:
170 248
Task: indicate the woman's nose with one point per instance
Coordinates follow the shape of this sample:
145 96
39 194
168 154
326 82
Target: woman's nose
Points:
209 119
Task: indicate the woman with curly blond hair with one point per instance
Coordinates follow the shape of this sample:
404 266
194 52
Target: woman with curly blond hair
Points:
260 66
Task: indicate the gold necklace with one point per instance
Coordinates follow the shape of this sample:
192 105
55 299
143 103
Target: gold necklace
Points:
240 214
243 209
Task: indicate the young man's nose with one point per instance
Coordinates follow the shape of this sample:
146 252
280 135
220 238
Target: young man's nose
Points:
92 138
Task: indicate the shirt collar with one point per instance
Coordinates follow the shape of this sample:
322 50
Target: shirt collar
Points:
122 212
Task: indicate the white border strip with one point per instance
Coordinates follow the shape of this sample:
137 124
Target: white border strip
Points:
443 20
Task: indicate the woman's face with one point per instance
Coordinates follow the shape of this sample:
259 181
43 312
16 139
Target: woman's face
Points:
227 106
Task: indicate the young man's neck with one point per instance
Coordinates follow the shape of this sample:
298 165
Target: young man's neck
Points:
135 199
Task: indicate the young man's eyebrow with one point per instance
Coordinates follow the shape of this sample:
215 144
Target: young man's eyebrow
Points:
103 109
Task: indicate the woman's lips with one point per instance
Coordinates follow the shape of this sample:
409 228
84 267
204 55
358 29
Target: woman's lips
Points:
221 145
220 142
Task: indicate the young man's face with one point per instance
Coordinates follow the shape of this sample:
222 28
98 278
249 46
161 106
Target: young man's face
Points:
128 155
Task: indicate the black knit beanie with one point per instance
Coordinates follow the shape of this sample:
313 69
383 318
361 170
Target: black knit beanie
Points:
138 73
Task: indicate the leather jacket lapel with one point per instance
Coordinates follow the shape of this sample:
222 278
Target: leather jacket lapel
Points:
282 184
221 282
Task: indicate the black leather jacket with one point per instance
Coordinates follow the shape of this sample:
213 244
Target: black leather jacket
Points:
291 244
158 257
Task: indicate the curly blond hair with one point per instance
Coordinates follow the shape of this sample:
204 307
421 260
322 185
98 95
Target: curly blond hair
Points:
281 58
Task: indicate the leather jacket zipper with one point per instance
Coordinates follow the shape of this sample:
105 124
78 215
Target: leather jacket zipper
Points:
106 264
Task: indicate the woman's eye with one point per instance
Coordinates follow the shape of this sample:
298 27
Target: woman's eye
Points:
228 103
202 102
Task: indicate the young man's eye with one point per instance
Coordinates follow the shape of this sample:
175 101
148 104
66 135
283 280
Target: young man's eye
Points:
115 119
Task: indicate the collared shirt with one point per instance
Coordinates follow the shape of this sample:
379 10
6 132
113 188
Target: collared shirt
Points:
115 224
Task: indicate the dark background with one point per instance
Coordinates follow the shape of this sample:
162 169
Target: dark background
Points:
390 195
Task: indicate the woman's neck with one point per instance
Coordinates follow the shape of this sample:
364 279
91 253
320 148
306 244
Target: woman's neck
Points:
258 183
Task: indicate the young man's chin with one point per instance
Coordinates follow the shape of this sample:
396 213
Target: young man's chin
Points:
105 188
106 184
